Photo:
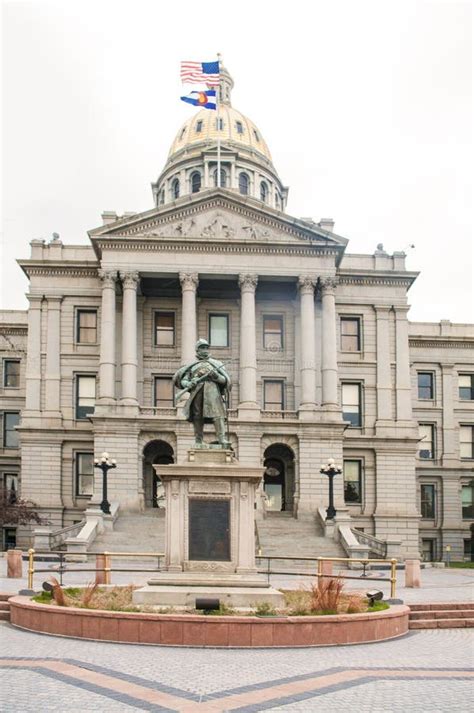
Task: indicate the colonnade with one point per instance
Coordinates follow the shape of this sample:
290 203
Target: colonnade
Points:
248 339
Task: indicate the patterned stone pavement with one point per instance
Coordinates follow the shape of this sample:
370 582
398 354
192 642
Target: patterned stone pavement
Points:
422 671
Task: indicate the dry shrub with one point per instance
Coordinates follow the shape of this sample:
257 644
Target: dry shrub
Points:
88 594
298 602
354 603
326 596
115 599
58 593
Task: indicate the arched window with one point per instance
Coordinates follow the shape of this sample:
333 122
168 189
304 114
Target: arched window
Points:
239 127
195 182
223 178
243 184
199 127
175 188
220 124
263 191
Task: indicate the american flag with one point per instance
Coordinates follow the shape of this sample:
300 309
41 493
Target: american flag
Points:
200 73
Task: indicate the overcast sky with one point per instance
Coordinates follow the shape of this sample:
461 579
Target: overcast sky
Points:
365 105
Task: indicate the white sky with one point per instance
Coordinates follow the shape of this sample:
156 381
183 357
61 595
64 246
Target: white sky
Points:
365 104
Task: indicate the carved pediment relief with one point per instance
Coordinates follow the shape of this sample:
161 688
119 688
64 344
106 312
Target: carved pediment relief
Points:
219 224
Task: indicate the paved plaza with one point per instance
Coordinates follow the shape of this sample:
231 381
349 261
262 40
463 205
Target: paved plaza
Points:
422 671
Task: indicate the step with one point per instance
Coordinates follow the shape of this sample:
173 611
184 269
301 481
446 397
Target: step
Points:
448 614
4 606
5 596
441 624
442 606
4 616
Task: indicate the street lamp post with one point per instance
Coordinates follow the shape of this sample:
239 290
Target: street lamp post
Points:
331 469
105 464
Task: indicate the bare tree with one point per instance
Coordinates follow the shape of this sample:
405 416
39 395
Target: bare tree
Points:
17 511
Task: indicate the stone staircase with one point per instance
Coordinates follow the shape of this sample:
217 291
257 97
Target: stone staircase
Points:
441 616
280 534
134 532
4 606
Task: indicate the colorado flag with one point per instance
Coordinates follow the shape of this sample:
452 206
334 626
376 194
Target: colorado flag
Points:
205 99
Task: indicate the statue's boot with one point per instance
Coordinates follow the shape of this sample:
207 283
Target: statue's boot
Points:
221 432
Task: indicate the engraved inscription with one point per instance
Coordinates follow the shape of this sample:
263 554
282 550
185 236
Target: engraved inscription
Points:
209 529
203 486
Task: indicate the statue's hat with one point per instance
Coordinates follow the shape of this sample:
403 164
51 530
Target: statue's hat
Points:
202 343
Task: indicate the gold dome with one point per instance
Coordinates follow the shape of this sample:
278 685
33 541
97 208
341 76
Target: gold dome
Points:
237 130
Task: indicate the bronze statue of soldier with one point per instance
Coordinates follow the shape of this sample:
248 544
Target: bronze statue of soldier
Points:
208 384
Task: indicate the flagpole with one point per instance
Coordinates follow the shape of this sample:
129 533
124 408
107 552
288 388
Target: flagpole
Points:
218 102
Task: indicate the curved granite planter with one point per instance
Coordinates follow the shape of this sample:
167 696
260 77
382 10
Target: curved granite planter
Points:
198 630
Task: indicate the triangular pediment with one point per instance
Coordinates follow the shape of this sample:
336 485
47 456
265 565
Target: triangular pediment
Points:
219 216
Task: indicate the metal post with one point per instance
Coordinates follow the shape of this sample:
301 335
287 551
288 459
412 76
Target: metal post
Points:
31 568
393 577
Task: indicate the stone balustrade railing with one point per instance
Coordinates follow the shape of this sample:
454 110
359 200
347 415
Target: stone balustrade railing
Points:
378 547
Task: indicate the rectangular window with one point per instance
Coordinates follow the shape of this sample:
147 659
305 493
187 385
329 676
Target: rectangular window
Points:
86 326
164 329
84 474
273 395
466 442
219 330
352 481
467 502
426 443
350 334
272 332
427 501
10 436
466 387
10 483
11 373
425 385
164 392
351 403
85 396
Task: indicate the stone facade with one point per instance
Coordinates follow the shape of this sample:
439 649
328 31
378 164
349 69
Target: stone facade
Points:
323 358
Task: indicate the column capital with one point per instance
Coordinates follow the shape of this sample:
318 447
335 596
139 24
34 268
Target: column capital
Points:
248 282
328 284
189 280
130 278
306 284
108 277
382 310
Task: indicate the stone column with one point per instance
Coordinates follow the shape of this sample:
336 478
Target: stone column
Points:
403 385
232 179
329 344
53 356
206 174
33 358
107 359
189 283
129 338
307 284
384 385
248 344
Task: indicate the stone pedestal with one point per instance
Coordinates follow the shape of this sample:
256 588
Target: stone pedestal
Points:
210 534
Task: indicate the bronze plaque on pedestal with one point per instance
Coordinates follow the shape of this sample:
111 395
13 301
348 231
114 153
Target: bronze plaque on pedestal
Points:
209 529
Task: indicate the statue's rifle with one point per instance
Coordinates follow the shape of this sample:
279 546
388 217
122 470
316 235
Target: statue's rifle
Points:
214 370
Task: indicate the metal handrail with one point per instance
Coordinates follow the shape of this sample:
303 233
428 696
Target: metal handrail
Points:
107 569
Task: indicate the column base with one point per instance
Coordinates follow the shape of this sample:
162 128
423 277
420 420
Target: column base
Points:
307 411
128 407
249 411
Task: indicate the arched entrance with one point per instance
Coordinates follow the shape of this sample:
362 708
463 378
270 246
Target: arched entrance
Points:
279 477
154 453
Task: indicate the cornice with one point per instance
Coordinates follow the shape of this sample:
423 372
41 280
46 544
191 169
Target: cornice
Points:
441 343
403 280
243 248
48 270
